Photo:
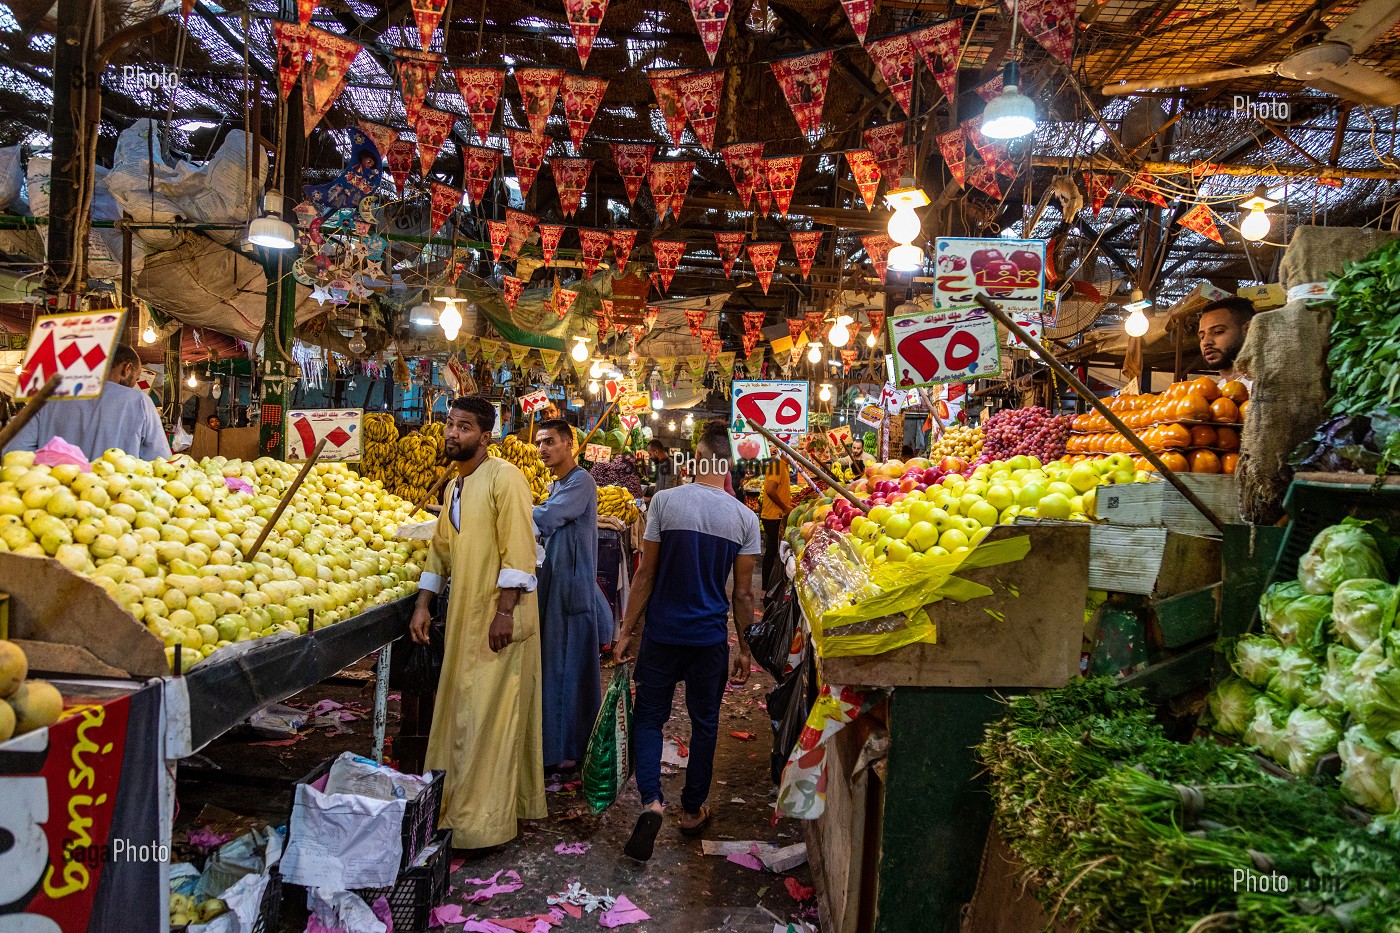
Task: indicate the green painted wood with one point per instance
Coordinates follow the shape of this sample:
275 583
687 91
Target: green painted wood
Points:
937 810
1250 553
1183 673
1188 618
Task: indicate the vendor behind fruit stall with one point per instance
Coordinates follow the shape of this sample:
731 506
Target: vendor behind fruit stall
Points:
122 416
1221 329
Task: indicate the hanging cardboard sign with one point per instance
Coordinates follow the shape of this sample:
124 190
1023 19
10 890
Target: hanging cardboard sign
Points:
481 92
803 79
340 427
634 403
583 96
533 401
840 438
76 347
633 161
1011 272
934 347
598 453
871 416
781 407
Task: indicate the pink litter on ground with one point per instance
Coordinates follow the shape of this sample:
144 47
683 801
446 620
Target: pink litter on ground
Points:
447 913
573 910
206 838
492 888
745 859
798 890
623 912
276 742
571 848
457 863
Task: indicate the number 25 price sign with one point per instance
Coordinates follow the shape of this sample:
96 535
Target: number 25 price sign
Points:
934 347
781 407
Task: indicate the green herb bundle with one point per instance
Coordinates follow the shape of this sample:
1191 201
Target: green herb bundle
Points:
1364 355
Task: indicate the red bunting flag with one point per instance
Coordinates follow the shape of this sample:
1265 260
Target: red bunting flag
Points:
796 326
981 177
570 178
293 45
781 173
498 233
953 146
331 56
427 14
993 152
518 226
564 299
710 17
650 315
1050 23
681 173
1202 221
445 199
416 73
764 257
305 10
990 90
877 247
594 243
753 321
1099 187
895 159
620 327
481 92
668 258
858 12
538 89
939 46
633 160
761 194
894 56
710 343
877 322
433 128
1144 187
550 234
805 245
665 84
482 165
817 326
527 156
848 358
585 18
803 79
512 289
865 170
728 243
700 95
751 340
605 312
695 317
669 183
583 96
622 243
401 157
744 163
382 136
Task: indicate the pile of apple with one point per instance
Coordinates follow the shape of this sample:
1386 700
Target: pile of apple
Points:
917 508
167 538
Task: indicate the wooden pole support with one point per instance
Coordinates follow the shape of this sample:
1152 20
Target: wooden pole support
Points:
812 467
30 409
602 419
286 500
1064 373
434 491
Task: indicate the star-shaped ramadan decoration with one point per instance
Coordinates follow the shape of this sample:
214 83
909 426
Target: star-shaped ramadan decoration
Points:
374 269
320 294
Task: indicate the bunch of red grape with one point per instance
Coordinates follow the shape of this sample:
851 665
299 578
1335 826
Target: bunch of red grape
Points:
1031 432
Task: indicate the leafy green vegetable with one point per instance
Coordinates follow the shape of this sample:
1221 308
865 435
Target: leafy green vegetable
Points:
1340 553
1340 658
1363 357
1359 609
1232 705
1295 617
1256 658
1298 680
1369 771
1308 735
1265 729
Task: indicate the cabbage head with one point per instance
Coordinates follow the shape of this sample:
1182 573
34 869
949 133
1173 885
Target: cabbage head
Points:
1298 680
1377 705
1232 706
1359 610
1338 554
1340 658
1256 658
1307 736
1370 771
1265 729
1295 617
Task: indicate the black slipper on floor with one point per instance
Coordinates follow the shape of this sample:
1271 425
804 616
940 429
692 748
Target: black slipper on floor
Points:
643 839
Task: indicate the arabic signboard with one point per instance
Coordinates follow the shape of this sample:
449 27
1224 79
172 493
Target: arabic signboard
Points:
781 407
76 347
934 347
598 453
339 426
534 401
1010 272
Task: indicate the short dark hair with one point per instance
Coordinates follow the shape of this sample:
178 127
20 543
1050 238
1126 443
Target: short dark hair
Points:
1241 310
714 438
657 446
480 409
560 427
125 355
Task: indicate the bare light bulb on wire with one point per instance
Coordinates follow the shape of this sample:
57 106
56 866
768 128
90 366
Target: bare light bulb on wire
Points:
825 394
1136 324
192 382
450 319
593 387
870 340
841 331
814 353
148 336
580 350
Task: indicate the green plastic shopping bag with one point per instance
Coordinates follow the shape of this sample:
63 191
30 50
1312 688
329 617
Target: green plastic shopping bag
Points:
608 762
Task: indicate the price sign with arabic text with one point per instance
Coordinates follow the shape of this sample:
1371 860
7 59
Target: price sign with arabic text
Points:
534 401
76 347
339 426
598 453
633 403
781 407
1010 272
934 347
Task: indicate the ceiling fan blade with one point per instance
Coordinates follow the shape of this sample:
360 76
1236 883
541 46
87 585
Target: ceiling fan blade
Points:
1187 80
1363 27
1360 83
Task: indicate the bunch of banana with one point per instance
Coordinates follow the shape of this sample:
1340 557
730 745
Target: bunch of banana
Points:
379 447
526 458
416 466
617 501
184 910
842 472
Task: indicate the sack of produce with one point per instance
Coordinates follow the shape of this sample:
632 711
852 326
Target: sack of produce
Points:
608 763
1338 554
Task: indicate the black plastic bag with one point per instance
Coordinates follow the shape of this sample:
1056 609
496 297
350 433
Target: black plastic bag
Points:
770 638
789 705
414 668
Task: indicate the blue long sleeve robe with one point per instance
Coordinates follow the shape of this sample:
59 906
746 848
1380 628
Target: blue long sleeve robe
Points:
573 611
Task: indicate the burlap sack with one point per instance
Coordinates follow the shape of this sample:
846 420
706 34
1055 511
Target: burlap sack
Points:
1285 354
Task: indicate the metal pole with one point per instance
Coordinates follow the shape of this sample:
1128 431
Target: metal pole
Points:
381 700
1101 408
809 465
286 499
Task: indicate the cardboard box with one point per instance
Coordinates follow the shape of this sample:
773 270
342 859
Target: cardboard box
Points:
1151 561
1158 504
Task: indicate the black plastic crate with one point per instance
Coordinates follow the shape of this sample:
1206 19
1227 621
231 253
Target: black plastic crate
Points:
418 889
270 911
420 815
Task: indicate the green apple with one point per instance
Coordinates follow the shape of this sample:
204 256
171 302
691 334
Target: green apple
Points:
952 538
922 536
898 525
1062 489
940 520
1000 497
1083 477
899 551
1054 505
984 513
880 514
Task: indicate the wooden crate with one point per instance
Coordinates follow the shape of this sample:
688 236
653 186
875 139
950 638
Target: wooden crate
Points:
1151 561
1158 504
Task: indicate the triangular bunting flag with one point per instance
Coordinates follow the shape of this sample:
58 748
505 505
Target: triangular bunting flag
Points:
481 92
866 173
482 165
293 44
710 17
669 183
1050 23
894 56
1099 186
622 243
858 12
526 156
331 56
594 244
761 194
538 89
305 10
744 161
583 97
1201 220
416 73
549 241
700 96
427 14
633 161
993 152
551 360
848 358
695 317
805 245
512 288
751 340
953 146
877 247
519 355
401 158
989 90
877 323
1144 187
781 173
432 128
815 325
564 299
585 18
939 47
668 258
665 85
764 257
605 313
696 364
728 243
498 233
490 349
519 226
667 365
680 175
650 315
981 177
570 178
382 136
895 158
445 199
796 326
753 321
803 79
710 342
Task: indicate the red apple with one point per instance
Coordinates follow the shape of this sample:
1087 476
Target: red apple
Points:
749 448
983 257
1025 260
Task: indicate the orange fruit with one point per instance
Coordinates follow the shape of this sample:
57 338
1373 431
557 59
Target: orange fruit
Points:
1193 408
1203 461
1224 411
1175 462
1227 438
1235 391
1203 435
1206 388
1176 435
1244 410
1228 463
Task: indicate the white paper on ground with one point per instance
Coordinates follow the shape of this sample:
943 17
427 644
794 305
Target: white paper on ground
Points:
340 841
342 910
351 774
730 847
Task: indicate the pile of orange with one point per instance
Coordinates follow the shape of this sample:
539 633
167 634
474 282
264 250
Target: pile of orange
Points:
1194 426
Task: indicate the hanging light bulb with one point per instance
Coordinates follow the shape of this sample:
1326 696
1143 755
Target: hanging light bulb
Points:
423 314
905 226
19 369
149 335
192 382
593 387
814 353
656 402
870 340
1136 324
580 350
1256 224
216 390
689 419
840 334
357 343
270 230
825 394
655 416
450 319
596 370
670 425
1010 115
906 257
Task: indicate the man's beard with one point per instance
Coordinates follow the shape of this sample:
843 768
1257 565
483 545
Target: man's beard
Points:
462 452
1228 355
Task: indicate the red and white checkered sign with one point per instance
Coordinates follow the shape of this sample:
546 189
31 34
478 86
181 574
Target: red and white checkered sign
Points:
76 347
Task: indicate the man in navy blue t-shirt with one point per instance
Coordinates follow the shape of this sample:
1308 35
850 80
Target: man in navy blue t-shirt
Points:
697 535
